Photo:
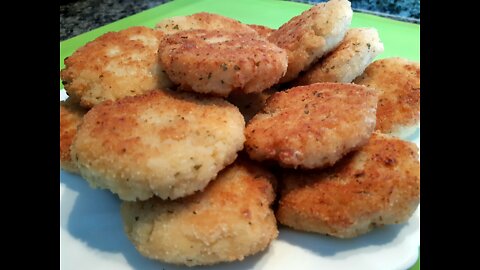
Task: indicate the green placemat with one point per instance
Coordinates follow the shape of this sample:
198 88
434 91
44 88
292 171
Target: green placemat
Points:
399 38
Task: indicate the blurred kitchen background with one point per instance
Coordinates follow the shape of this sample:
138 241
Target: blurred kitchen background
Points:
79 16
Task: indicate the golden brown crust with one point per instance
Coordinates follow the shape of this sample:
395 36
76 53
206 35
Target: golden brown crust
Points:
348 61
202 21
162 143
312 126
229 220
71 115
219 62
377 185
115 65
262 30
312 34
398 83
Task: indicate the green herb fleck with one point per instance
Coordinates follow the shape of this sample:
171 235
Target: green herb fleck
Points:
224 67
196 167
175 27
236 67
368 45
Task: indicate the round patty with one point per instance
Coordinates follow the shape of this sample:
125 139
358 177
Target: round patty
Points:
312 126
348 61
312 34
218 62
376 185
398 82
203 21
161 143
115 65
71 115
229 220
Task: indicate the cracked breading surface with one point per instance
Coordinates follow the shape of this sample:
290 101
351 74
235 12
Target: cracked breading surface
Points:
202 21
398 83
229 220
348 61
263 31
312 126
374 186
115 65
219 62
312 34
161 143
71 115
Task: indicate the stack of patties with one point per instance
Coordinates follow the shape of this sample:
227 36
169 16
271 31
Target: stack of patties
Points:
157 116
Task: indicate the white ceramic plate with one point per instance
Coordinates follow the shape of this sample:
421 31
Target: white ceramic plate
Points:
91 237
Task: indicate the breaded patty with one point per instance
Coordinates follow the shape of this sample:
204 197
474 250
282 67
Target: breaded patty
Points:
348 61
377 185
162 143
71 115
312 126
398 83
203 21
312 34
219 62
115 65
229 220
250 104
262 30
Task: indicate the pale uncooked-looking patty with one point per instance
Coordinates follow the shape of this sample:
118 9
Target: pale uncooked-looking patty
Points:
229 220
376 185
312 126
348 61
219 62
115 65
202 21
312 34
398 82
71 115
161 143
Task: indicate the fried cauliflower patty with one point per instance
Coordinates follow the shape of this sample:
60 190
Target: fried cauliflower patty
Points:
115 65
219 62
348 61
161 143
398 83
202 21
312 126
229 220
312 34
374 186
71 115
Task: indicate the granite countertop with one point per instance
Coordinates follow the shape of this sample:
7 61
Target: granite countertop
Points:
79 16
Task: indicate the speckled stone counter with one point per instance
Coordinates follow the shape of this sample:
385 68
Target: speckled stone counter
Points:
79 16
